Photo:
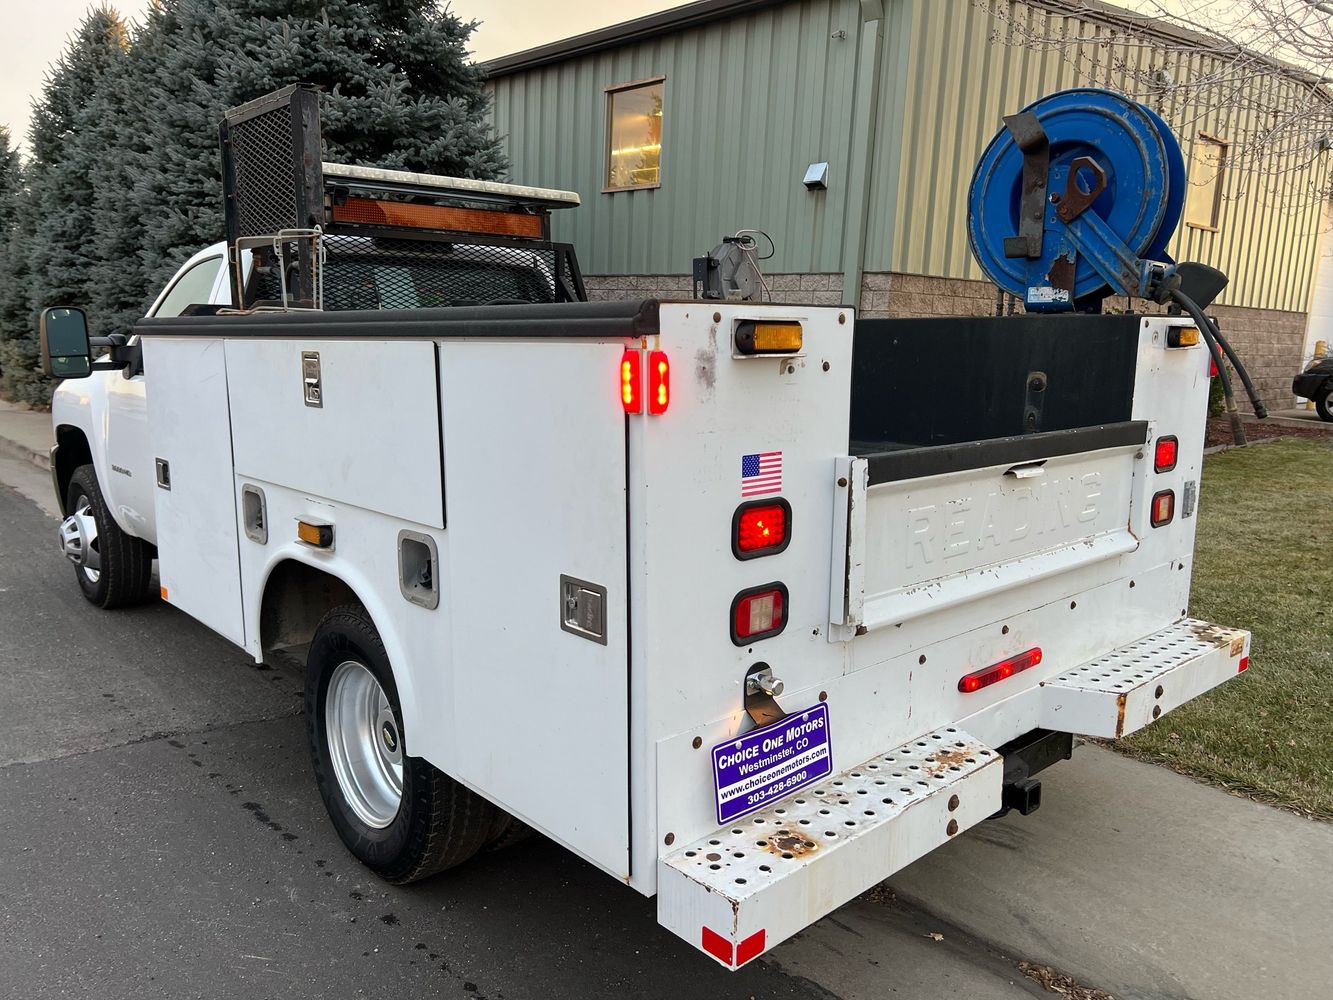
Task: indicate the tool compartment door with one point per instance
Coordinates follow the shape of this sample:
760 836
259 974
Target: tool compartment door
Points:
190 430
534 446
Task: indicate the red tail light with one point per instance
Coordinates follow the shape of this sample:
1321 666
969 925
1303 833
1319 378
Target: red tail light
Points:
1165 454
631 381
659 382
758 613
760 528
979 679
1212 367
1163 508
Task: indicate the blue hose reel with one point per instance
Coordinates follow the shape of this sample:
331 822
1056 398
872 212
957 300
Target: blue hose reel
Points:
1076 199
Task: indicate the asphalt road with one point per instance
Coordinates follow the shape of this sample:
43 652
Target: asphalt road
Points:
160 836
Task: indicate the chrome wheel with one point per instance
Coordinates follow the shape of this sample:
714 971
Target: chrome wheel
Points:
78 539
365 746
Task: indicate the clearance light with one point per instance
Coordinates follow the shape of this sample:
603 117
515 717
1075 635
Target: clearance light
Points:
758 613
1182 336
631 381
401 214
979 679
760 528
659 382
1165 453
312 533
753 337
1163 508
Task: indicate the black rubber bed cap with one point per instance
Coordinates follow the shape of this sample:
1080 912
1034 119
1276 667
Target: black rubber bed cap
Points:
601 320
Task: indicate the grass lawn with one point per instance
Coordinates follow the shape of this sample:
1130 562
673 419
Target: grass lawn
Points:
1263 561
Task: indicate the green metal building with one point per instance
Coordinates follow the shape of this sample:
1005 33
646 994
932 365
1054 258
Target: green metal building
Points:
686 126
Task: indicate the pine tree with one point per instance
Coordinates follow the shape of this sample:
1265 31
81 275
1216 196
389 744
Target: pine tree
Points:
56 238
15 312
398 92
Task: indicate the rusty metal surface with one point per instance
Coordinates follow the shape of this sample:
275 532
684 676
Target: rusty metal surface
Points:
1131 687
1141 663
1075 200
816 822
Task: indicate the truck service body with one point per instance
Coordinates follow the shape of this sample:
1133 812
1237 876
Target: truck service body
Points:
731 599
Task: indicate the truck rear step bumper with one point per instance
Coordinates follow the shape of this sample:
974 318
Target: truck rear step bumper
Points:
1121 692
746 887
750 885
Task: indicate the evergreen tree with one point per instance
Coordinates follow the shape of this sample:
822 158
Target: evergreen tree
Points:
398 93
14 306
11 181
51 261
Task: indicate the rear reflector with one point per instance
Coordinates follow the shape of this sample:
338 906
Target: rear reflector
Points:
1244 664
1164 455
979 679
659 382
1163 508
758 613
631 381
400 214
753 337
760 528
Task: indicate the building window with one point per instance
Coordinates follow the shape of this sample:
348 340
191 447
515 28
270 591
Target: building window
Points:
634 135
1207 175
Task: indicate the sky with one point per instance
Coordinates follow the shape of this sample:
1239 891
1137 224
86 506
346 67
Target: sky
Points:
29 44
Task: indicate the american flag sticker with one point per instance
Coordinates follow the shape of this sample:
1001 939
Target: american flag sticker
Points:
761 473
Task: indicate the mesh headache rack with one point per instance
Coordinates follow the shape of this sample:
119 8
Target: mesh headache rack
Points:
340 236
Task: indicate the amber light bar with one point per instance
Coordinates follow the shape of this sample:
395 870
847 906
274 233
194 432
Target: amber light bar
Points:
373 212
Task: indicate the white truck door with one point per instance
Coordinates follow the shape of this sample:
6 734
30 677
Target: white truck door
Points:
194 497
539 709
128 451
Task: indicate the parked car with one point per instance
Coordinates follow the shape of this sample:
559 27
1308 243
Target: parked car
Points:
1316 383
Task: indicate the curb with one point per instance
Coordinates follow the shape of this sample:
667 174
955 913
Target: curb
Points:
12 449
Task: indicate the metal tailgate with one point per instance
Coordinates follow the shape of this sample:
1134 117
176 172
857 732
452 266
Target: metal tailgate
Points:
933 528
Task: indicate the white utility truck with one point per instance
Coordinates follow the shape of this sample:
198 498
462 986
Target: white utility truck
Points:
731 599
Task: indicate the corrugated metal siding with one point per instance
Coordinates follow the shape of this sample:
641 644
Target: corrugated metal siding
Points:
961 76
747 104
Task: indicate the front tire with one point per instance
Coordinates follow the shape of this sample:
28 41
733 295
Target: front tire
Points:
399 815
114 569
1324 404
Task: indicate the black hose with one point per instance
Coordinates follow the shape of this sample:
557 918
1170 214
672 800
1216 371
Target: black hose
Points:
1213 338
1260 410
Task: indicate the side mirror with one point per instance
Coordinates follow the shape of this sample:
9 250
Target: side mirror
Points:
66 352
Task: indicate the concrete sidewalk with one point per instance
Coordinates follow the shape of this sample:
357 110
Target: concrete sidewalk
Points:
25 434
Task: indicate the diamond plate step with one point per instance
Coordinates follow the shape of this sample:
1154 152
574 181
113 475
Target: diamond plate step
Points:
1125 690
746 887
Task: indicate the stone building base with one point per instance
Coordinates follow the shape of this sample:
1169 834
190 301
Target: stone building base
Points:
1270 342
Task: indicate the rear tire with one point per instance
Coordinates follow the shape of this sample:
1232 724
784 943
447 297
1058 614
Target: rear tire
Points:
1324 403
124 564
399 815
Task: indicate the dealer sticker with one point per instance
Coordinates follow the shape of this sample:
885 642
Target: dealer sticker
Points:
768 764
